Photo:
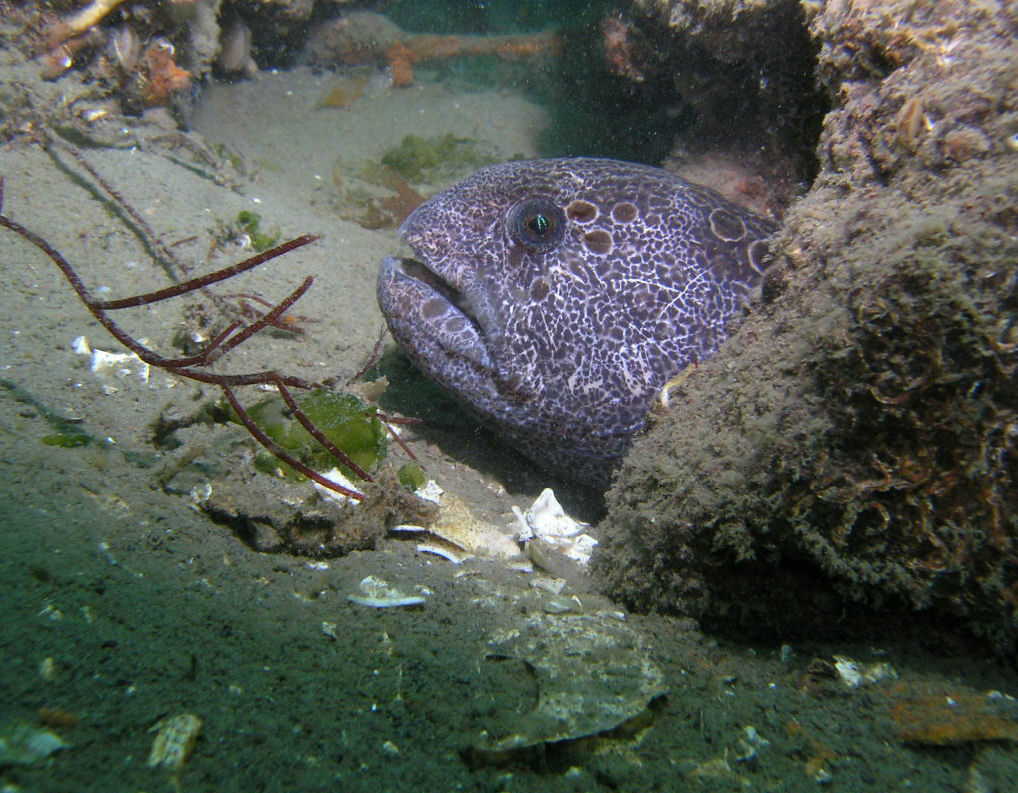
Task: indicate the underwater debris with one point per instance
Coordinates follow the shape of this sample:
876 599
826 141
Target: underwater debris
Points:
365 37
617 38
79 22
455 533
343 92
378 194
25 744
952 718
160 77
855 673
57 717
246 227
373 196
378 593
174 741
554 541
593 673
281 515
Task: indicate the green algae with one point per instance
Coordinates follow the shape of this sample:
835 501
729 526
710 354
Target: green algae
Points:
411 475
419 159
250 223
67 440
348 423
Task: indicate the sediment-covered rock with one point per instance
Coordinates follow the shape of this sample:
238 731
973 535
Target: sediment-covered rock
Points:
855 441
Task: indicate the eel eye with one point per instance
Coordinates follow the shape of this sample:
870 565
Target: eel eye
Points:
536 224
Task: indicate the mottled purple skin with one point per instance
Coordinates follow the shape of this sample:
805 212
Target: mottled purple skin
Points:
559 341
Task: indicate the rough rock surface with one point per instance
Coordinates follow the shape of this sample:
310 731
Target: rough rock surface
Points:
743 73
855 441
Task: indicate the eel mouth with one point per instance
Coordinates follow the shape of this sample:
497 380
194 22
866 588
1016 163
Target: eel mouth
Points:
441 289
419 271
422 308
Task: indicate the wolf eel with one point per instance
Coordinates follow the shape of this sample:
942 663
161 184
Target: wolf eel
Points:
554 298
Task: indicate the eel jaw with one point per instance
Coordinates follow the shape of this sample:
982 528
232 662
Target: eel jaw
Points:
424 310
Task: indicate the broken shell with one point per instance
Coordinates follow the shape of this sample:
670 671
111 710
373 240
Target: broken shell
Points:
592 674
47 668
456 524
125 47
175 738
458 535
24 744
555 559
553 586
562 605
337 476
553 536
121 364
430 491
409 528
910 124
855 674
380 594
445 550
546 517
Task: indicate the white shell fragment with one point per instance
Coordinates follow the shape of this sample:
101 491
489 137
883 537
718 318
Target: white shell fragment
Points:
855 674
552 586
378 593
24 744
335 475
446 550
409 528
547 518
329 629
430 491
175 738
547 523
117 364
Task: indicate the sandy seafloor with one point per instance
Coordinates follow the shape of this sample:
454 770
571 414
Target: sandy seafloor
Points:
149 609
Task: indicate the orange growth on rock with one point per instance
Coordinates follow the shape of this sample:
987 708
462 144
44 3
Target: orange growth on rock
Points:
413 48
618 48
56 717
162 77
344 92
398 57
361 37
954 718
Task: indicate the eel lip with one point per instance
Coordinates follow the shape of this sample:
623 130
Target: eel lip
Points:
417 302
419 271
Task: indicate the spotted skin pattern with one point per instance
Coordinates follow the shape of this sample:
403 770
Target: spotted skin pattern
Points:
554 298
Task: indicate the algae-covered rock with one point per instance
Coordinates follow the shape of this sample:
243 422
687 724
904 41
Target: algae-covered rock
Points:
855 441
421 159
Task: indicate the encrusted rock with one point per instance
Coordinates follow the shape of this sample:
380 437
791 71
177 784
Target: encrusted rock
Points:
855 441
